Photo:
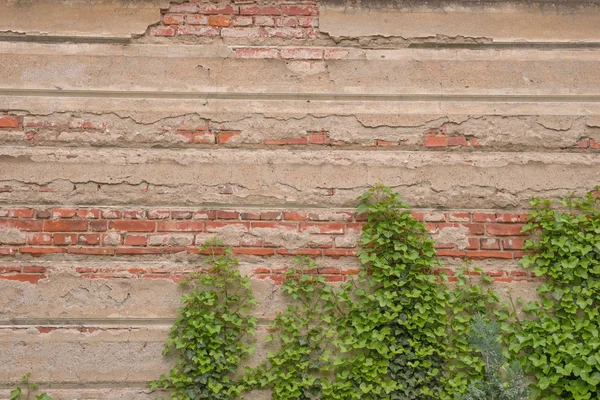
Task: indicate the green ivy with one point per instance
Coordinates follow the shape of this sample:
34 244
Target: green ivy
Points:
560 339
27 390
303 331
211 335
402 332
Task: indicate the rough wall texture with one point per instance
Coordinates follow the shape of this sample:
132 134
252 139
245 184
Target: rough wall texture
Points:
261 123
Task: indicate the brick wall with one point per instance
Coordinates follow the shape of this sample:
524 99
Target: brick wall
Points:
244 19
260 123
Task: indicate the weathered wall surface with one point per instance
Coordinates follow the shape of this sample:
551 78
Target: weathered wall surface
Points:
130 132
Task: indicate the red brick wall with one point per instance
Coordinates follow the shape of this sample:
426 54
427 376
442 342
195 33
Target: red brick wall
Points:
244 19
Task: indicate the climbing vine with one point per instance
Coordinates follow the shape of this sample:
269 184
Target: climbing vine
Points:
559 340
213 332
402 334
302 333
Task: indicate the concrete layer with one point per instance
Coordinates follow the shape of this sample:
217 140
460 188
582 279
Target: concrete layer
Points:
108 18
71 356
324 178
482 21
417 75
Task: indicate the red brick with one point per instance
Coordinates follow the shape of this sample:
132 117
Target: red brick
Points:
473 244
308 22
250 216
271 215
295 216
260 10
132 226
136 240
66 226
36 251
356 227
173 19
215 9
65 239
460 217
296 141
435 141
219 20
263 20
34 269
9 122
198 30
193 19
490 244
331 228
43 214
306 10
162 31
334 278
180 226
451 253
211 214
435 217
40 239
504 230
254 251
306 54
339 253
204 137
88 239
513 243
518 273
350 271
7 252
112 214
241 21
318 138
63 212
181 214
216 226
4 270
511 218
138 250
242 32
287 21
489 254
258 53
457 141
88 213
159 214
92 251
225 137
484 217
134 214
28 278
335 54
22 213
99 226
223 214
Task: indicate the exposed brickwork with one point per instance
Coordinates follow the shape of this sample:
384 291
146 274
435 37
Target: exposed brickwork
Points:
97 130
249 19
330 234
